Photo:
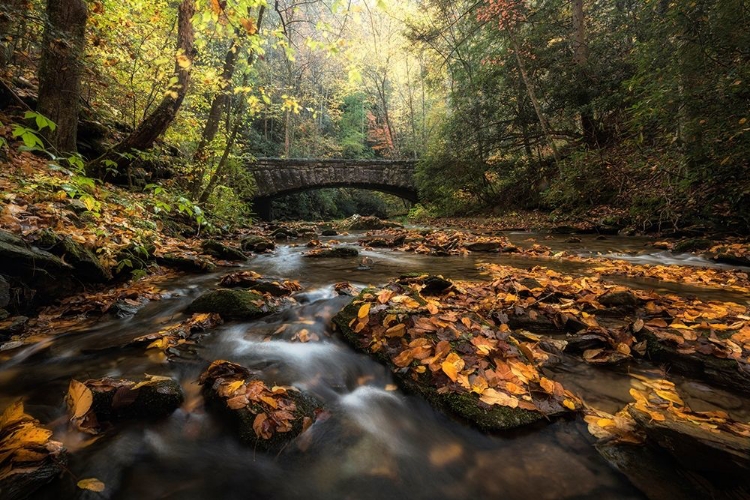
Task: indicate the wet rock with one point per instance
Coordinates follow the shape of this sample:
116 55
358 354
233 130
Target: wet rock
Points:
253 281
697 448
12 326
124 309
530 283
621 299
431 285
222 251
30 459
652 473
187 263
485 246
573 239
257 244
263 416
345 288
406 354
86 264
563 229
510 249
384 241
232 304
533 321
116 399
333 253
284 233
691 245
4 314
329 232
734 260
720 371
367 223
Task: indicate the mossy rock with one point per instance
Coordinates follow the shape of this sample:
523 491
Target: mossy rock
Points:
222 251
187 263
232 304
86 264
115 399
691 245
333 253
464 405
257 244
242 418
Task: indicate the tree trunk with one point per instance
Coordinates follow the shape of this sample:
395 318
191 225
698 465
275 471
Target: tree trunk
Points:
60 70
534 102
150 129
580 59
10 20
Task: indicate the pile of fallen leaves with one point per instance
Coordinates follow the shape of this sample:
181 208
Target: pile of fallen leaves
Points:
438 342
659 401
735 280
446 242
169 338
273 410
25 446
580 304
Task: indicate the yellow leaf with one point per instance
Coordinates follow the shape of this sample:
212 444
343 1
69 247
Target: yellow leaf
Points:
569 404
364 310
91 484
79 398
12 414
183 61
396 331
452 365
493 397
232 387
432 308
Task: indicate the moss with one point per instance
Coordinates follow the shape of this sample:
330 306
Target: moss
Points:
190 264
232 304
691 245
467 406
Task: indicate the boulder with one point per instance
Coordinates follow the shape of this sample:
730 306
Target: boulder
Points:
12 326
620 299
333 253
367 223
257 244
264 416
486 246
232 304
253 281
222 251
329 232
83 260
691 245
96 401
187 263
384 240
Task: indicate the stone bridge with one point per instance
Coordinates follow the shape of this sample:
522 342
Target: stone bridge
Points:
277 177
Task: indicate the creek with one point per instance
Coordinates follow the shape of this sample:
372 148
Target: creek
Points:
376 442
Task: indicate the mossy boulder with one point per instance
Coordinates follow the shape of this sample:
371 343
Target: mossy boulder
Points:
342 252
257 244
188 263
232 304
4 292
86 264
691 245
222 251
462 403
264 416
253 281
367 223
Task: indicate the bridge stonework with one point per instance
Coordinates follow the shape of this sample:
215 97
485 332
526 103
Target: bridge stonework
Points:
277 177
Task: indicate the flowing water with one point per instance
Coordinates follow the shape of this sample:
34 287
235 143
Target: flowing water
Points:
375 443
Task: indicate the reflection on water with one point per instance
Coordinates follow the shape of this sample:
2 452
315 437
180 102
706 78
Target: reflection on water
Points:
372 442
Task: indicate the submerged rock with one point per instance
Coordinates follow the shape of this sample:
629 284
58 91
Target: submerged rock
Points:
264 416
232 304
222 251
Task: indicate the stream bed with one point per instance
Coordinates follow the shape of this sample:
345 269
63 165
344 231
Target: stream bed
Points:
375 442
